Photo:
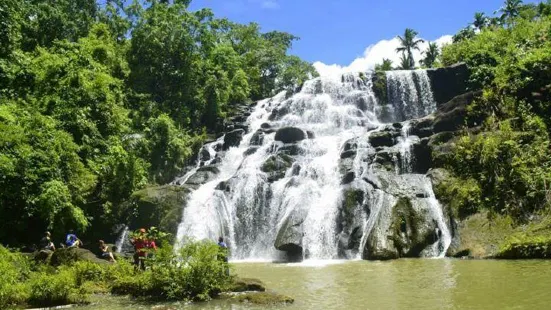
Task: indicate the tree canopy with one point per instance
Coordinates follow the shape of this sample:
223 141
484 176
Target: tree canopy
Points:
97 100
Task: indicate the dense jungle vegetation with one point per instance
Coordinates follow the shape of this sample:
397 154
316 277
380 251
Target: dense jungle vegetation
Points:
97 101
503 165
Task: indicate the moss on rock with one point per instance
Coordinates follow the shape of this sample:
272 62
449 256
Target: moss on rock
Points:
160 206
247 285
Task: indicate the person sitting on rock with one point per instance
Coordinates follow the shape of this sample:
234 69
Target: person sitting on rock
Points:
46 242
105 253
71 241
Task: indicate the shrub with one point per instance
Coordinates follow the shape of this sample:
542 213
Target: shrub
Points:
14 269
194 272
56 289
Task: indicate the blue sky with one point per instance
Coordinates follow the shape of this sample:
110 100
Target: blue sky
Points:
339 31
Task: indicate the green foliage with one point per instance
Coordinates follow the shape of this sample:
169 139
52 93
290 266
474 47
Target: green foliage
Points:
195 272
99 101
15 269
386 65
431 55
48 290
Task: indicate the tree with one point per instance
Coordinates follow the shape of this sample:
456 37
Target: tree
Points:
480 21
405 62
431 54
386 65
464 34
408 43
510 10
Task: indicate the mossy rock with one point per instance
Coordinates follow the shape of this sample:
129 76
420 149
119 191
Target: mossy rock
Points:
380 86
247 285
69 256
408 233
265 298
352 199
159 206
276 166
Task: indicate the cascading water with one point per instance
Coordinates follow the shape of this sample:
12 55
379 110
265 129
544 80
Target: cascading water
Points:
293 196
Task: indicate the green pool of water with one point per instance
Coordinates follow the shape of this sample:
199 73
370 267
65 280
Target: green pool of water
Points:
400 284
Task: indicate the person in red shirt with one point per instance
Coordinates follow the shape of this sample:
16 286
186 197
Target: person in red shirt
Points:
140 246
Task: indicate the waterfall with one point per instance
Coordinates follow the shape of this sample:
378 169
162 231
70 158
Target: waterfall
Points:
122 240
299 206
409 95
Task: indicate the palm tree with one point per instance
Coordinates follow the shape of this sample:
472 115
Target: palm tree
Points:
408 43
480 20
431 54
510 10
405 62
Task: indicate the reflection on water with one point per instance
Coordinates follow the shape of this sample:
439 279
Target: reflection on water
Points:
401 284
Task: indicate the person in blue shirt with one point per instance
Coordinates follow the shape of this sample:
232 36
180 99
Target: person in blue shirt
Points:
71 241
221 243
223 253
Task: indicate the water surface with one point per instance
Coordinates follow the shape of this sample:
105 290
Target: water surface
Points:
400 284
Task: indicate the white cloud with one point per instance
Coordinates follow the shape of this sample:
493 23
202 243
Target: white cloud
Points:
374 54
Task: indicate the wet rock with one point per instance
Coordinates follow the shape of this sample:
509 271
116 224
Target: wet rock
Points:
203 175
348 154
223 186
251 150
278 113
353 211
348 178
204 154
290 135
265 126
276 166
422 156
310 134
387 158
257 138
351 144
296 169
289 236
422 127
403 230
383 138
290 149
233 138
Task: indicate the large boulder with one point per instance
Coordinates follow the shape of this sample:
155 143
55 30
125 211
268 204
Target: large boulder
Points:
70 256
203 175
233 138
386 137
159 206
290 135
405 229
448 82
354 210
289 236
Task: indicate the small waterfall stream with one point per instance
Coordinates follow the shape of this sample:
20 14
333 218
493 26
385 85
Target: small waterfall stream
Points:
302 205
